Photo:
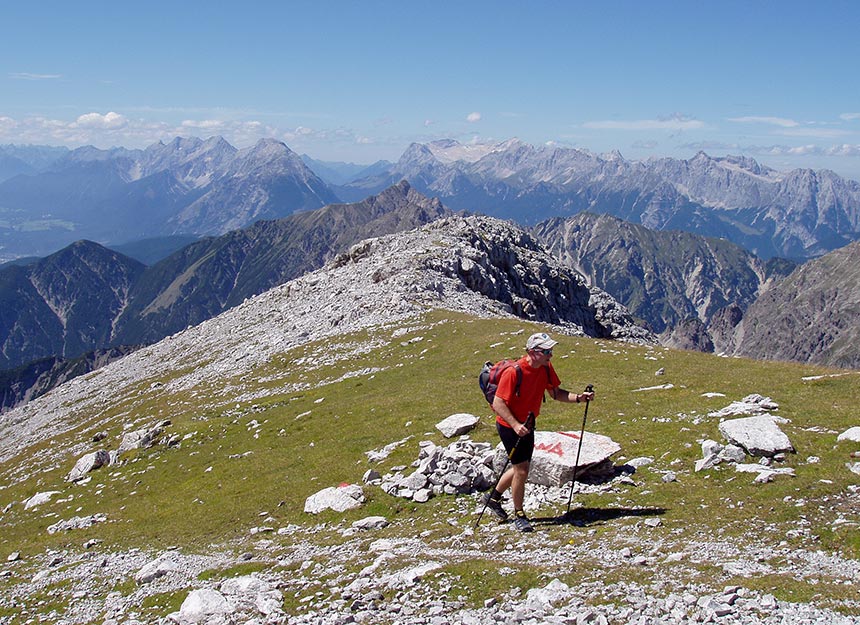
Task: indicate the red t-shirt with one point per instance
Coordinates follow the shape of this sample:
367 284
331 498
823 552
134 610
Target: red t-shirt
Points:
535 382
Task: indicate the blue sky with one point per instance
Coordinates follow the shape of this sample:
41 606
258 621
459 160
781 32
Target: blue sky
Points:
360 81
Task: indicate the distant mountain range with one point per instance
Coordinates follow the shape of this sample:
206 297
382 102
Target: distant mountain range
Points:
51 197
800 214
188 186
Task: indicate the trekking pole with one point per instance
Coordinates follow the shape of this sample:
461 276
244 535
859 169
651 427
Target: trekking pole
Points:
588 389
529 420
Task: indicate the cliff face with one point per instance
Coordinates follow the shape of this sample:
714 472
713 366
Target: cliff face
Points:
813 315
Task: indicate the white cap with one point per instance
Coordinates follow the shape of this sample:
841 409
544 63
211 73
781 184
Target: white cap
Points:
541 340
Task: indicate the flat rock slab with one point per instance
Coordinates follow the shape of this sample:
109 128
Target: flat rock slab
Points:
339 499
759 436
457 424
555 456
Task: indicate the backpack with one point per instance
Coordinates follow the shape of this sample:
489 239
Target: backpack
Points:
490 375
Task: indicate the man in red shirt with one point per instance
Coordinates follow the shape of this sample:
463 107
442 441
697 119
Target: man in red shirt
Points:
515 413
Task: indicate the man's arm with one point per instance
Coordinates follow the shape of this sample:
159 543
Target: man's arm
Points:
559 394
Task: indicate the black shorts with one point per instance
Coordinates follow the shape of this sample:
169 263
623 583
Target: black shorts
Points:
525 446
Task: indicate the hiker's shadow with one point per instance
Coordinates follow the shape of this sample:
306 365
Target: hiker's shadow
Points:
583 517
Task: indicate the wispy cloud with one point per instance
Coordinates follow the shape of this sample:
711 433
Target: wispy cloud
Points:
29 76
849 116
644 145
773 121
473 117
843 149
822 133
708 146
112 128
675 121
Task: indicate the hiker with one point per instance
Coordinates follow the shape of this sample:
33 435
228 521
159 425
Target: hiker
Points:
515 413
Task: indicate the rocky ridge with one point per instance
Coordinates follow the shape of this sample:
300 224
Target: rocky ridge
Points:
478 265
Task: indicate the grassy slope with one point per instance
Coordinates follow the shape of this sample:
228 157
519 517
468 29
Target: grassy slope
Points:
315 433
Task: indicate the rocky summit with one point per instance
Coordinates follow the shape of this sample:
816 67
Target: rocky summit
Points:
477 265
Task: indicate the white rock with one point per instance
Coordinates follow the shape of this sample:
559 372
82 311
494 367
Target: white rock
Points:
759 436
39 498
151 571
457 424
851 434
250 594
640 462
371 523
710 447
339 499
707 463
204 606
140 439
545 597
87 463
555 456
733 453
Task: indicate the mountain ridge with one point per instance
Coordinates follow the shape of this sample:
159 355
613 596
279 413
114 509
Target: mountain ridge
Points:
193 284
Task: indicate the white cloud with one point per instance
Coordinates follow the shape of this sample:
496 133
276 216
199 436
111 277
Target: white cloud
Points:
844 149
473 117
428 123
824 133
774 121
109 121
204 124
849 116
644 145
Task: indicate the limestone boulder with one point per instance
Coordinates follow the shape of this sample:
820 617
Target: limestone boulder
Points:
759 435
851 434
340 498
87 463
555 456
457 424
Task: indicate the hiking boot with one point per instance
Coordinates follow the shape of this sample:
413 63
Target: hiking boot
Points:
496 506
521 522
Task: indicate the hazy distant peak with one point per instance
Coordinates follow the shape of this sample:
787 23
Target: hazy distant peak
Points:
89 153
450 151
270 146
